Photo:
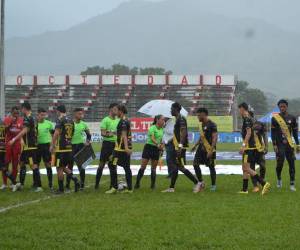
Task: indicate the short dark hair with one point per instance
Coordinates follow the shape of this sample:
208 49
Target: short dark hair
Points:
78 110
283 101
26 105
112 105
122 108
41 110
15 108
244 106
176 106
61 108
202 110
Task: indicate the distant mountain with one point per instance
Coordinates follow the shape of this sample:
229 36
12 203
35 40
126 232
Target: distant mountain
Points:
178 35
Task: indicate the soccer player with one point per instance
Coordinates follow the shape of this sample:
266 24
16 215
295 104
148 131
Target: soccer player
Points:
14 125
248 151
3 164
29 153
122 152
152 150
261 140
81 137
284 127
45 132
206 152
180 144
108 128
61 147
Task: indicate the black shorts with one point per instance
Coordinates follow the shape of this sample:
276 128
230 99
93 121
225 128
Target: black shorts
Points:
29 156
76 148
201 158
249 156
107 151
121 158
2 160
150 152
63 159
43 152
259 157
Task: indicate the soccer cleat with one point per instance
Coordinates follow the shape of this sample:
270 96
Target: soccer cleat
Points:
279 184
111 191
243 192
293 188
3 187
198 187
266 188
68 190
213 188
136 186
169 190
16 187
255 190
38 189
96 186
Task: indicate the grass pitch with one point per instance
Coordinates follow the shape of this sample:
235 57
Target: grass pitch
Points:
152 220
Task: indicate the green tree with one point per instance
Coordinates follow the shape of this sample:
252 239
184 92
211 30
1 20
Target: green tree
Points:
120 69
254 97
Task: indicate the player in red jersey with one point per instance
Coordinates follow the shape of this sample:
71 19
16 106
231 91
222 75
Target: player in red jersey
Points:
14 125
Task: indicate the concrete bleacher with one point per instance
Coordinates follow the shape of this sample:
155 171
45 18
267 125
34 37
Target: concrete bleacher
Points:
96 99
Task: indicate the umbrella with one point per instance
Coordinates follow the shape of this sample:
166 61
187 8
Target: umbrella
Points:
159 107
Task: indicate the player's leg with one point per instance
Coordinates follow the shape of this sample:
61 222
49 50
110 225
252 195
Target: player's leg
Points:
290 156
105 156
146 156
247 169
196 164
213 173
23 162
154 164
262 166
252 166
16 152
36 171
80 168
113 163
280 156
66 161
70 167
46 155
141 171
8 160
125 163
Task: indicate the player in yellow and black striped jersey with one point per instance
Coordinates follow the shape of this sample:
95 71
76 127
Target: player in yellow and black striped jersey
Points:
248 150
29 153
122 151
3 163
61 147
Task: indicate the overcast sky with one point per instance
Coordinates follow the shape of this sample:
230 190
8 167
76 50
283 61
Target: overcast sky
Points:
28 17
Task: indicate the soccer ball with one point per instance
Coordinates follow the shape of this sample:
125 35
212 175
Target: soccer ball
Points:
122 185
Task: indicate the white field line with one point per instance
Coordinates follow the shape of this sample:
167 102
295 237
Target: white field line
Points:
26 203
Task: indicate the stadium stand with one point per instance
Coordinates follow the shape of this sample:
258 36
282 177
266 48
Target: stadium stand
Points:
95 98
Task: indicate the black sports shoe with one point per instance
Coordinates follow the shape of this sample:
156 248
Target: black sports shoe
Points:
136 186
58 192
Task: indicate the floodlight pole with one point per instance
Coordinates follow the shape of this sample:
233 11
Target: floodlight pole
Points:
2 77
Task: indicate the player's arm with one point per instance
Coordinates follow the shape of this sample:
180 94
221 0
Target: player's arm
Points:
196 144
104 131
88 135
274 133
213 141
18 136
125 140
295 133
246 140
266 139
54 139
183 133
